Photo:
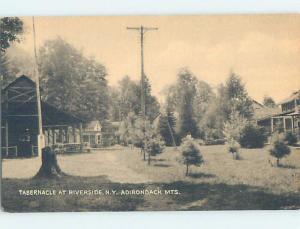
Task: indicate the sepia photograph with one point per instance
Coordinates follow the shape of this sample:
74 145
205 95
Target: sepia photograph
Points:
150 113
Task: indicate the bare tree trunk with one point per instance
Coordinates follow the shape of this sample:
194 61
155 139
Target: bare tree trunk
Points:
187 170
144 151
149 158
50 168
277 162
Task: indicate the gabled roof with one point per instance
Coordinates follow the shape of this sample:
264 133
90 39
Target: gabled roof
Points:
49 111
292 97
92 124
20 79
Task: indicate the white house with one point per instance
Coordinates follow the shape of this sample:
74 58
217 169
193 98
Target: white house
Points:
92 134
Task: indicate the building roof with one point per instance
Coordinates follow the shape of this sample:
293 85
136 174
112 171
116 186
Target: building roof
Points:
93 126
25 103
292 97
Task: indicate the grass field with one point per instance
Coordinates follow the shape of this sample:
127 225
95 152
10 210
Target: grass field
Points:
220 183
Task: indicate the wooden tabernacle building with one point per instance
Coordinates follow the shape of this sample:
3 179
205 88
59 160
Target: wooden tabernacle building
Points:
20 122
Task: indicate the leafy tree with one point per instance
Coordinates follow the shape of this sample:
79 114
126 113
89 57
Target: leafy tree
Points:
152 105
234 126
72 82
127 98
191 154
10 30
154 144
234 94
279 148
269 102
167 125
126 129
211 124
190 98
186 122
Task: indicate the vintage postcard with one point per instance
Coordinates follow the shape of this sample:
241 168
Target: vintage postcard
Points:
150 113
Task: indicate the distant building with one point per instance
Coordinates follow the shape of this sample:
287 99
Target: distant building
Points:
92 134
286 118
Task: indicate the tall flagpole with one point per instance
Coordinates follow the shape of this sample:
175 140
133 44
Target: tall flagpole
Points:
40 138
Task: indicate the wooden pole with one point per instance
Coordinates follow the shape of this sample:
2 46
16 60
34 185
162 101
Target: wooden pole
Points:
41 140
1 119
80 136
6 124
142 30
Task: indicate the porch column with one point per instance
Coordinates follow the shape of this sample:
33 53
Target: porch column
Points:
292 124
53 136
60 134
272 125
48 136
80 135
74 134
6 137
284 124
67 134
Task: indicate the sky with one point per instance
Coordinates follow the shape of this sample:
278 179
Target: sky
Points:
264 50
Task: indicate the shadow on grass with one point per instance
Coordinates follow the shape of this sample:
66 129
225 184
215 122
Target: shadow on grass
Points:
201 196
154 159
162 165
286 166
201 175
206 196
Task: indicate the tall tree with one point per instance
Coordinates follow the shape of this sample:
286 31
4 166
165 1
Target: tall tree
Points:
167 123
269 101
127 98
73 82
10 30
186 122
234 94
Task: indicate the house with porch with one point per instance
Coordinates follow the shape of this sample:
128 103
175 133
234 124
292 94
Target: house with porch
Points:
19 128
92 134
287 119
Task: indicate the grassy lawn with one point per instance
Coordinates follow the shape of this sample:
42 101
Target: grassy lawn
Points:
220 183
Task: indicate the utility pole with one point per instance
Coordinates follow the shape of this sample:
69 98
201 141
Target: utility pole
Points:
1 118
40 138
142 30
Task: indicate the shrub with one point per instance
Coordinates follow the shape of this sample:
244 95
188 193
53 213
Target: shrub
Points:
155 146
191 154
290 138
279 149
252 137
233 148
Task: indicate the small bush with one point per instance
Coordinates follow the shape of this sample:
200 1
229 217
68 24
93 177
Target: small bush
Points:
279 149
191 154
252 137
233 148
290 138
155 146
